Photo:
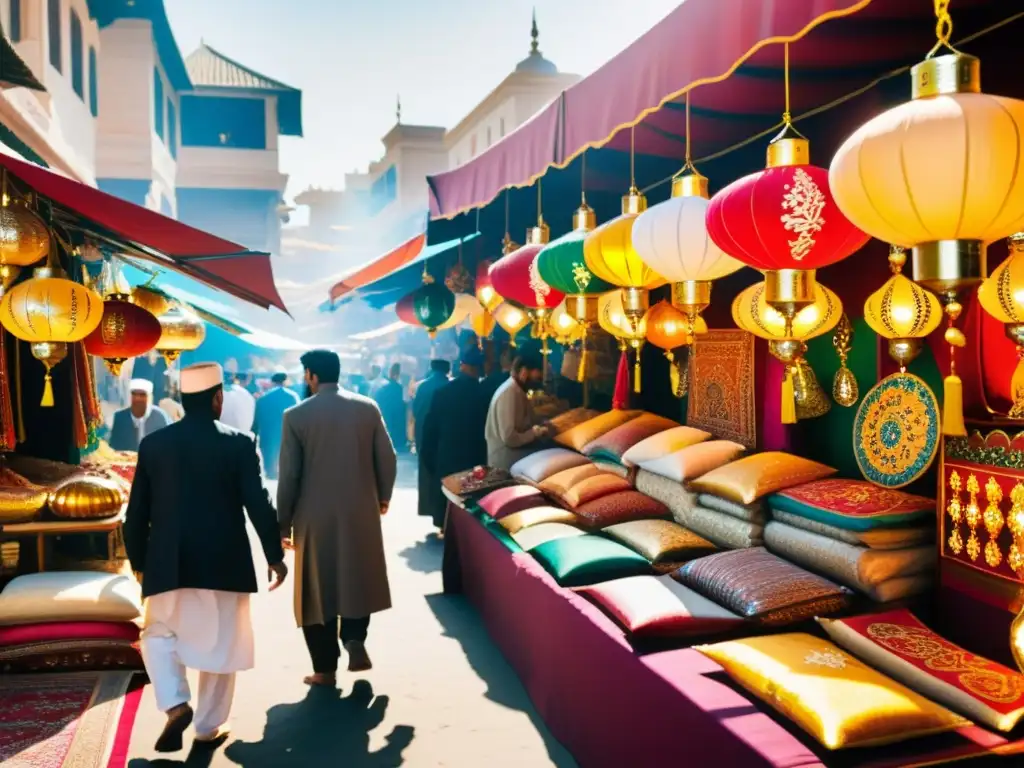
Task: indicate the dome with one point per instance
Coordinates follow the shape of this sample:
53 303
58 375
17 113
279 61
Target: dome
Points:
535 63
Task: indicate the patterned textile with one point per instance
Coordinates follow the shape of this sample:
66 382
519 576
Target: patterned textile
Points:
748 479
516 522
619 508
896 432
660 540
559 484
563 422
528 538
833 696
857 567
722 387
659 606
879 538
853 504
539 466
613 444
508 501
898 644
596 487
664 443
752 513
724 530
588 431
466 483
688 463
578 561
672 494
760 586
70 596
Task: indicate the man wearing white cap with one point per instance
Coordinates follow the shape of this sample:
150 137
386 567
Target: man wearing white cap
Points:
138 420
185 534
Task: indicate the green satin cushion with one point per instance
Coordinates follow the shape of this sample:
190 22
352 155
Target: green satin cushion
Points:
579 561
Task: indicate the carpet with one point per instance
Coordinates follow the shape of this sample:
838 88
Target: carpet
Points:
76 720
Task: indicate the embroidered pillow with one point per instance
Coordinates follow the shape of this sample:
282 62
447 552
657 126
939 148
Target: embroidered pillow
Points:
70 596
855 505
516 522
507 501
879 538
559 483
836 698
898 644
534 536
694 461
588 431
748 479
660 540
619 508
594 488
581 560
539 466
664 443
752 513
762 587
659 606
612 444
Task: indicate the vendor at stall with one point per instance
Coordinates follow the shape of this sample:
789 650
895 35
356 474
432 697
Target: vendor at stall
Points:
137 420
510 430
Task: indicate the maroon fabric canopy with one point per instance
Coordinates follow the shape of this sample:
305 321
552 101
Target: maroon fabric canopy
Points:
219 263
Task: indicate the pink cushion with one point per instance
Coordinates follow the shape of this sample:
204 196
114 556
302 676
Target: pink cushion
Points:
614 443
67 630
507 501
620 507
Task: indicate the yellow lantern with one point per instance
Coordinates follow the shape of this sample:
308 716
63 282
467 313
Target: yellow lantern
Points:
630 333
24 238
182 331
563 326
512 319
902 312
153 302
1002 296
482 323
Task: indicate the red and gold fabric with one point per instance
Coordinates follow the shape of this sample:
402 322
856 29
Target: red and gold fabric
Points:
853 504
722 388
746 480
620 508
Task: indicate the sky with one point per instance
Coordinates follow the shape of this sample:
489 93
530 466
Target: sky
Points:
352 58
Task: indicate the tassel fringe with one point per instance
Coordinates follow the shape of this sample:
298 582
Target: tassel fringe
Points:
47 401
953 407
788 405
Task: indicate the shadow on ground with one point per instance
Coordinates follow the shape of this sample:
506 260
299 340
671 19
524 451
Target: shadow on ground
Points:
324 729
461 622
425 555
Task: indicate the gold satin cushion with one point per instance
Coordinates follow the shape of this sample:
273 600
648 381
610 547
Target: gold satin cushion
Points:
559 483
660 540
595 487
563 422
748 479
530 517
837 699
664 443
577 437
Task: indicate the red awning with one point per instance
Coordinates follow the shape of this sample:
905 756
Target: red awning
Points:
219 263
379 267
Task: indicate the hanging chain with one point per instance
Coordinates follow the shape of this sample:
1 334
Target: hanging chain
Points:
943 22
787 118
688 165
540 215
583 179
506 214
632 157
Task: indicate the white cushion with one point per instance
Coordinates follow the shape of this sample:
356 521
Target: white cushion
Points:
70 596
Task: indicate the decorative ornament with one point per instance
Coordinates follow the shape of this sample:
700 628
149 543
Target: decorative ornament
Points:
126 330
485 293
1002 296
1015 522
433 304
482 323
994 522
669 329
24 237
152 301
86 498
956 514
902 312
563 326
458 280
8 274
844 386
952 388
896 431
809 398
512 320
973 517
613 318
181 330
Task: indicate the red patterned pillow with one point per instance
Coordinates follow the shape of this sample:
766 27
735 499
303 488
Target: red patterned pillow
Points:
69 646
611 445
620 508
595 487
507 501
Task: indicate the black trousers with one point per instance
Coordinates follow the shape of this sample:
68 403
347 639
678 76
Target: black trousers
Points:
322 641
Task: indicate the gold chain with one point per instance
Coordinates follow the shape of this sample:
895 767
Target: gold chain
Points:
943 22
787 118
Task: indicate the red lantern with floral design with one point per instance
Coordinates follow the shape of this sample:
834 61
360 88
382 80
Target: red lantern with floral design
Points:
125 331
517 278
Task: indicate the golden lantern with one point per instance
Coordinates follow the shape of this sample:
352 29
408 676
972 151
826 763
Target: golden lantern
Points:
24 238
902 312
1002 296
8 274
844 386
152 301
482 323
563 326
512 319
87 498
668 329
630 334
181 331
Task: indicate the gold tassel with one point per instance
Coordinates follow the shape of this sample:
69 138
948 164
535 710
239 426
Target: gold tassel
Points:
788 406
636 373
47 401
581 373
1017 389
952 388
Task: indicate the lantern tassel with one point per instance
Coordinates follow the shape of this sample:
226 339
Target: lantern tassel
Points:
1017 390
953 407
620 396
47 401
636 373
788 405
581 373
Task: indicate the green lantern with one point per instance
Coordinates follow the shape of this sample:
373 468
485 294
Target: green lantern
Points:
433 304
561 264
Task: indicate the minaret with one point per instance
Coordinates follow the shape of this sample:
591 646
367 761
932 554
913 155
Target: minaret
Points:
534 49
398 109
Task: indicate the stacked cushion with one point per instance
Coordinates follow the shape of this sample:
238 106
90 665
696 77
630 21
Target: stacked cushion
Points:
559 484
854 505
507 501
539 466
596 487
877 538
563 422
79 645
536 516
748 479
663 542
752 513
663 443
669 492
614 468
582 434
582 560
659 606
693 461
613 444
762 587
70 596
620 508
534 536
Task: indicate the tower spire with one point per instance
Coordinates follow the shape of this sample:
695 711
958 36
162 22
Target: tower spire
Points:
534 33
398 109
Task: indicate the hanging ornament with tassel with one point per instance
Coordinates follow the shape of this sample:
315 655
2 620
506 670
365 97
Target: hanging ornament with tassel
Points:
952 387
844 386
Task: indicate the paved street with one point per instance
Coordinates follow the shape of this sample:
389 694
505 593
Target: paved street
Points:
440 693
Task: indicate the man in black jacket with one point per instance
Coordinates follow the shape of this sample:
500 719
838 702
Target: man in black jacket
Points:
185 534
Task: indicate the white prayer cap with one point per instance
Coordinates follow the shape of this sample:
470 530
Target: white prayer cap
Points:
141 385
201 377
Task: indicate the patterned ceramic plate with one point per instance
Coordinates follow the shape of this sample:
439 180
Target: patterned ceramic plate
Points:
896 433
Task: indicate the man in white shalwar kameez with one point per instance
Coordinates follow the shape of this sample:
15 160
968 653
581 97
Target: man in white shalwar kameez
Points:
185 534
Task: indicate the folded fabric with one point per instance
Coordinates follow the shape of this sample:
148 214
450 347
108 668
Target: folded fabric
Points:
663 443
578 561
508 501
529 517
724 530
615 469
613 444
672 494
854 566
901 587
59 631
748 479
539 466
71 596
619 508
763 587
838 699
659 606
559 483
596 487
693 461
898 644
563 422
879 538
590 430
528 538
660 540
855 505
752 513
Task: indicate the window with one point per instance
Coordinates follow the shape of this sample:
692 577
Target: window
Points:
221 121
53 23
158 103
94 86
15 21
172 129
488 135
501 127
77 54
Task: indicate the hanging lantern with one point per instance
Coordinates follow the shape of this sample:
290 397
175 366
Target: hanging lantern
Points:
24 238
405 311
464 304
458 279
8 274
512 319
631 334
563 326
433 305
181 330
485 293
1002 296
126 330
844 386
902 312
668 328
153 302
482 323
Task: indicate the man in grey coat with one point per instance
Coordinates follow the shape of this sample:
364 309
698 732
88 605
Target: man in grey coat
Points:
337 472
510 430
